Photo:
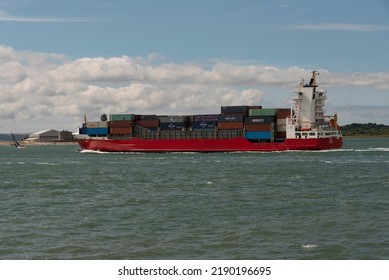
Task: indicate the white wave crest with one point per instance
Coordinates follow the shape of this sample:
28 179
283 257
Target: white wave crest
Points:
377 149
92 152
309 246
45 163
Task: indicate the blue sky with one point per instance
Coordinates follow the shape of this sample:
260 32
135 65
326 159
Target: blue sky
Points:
61 59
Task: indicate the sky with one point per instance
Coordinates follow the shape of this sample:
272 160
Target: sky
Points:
61 59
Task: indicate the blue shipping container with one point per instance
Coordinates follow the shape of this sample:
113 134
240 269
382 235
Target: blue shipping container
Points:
237 118
82 130
256 135
100 131
172 125
205 118
204 125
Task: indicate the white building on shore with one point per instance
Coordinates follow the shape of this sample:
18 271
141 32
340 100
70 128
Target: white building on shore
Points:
50 135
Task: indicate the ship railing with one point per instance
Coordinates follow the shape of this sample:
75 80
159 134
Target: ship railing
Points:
318 134
188 134
228 134
203 134
120 136
330 133
172 134
306 134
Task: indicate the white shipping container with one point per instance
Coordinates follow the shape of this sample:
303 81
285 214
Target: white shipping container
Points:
96 124
281 128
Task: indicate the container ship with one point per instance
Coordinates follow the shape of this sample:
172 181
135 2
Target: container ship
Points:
304 126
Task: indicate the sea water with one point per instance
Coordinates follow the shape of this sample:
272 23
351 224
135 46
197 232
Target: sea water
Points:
59 203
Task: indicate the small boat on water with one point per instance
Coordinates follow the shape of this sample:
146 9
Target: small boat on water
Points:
15 142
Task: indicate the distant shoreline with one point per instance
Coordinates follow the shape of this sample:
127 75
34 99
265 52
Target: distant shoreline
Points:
8 143
366 136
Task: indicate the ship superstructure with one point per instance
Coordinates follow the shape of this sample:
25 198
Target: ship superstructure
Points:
307 113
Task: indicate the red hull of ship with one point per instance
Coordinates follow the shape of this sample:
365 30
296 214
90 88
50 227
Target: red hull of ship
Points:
207 145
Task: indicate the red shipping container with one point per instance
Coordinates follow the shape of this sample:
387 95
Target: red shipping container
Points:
259 127
283 113
148 123
121 130
120 124
230 125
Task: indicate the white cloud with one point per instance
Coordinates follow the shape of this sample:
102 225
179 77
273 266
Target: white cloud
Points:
350 27
4 16
378 80
341 27
41 91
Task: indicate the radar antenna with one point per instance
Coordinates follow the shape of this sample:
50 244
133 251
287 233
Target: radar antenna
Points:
313 82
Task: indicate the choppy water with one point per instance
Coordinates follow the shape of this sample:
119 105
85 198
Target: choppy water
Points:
57 203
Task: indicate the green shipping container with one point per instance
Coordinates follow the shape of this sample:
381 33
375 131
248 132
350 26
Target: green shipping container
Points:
122 117
262 112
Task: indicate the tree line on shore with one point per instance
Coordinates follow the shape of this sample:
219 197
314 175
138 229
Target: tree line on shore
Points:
365 129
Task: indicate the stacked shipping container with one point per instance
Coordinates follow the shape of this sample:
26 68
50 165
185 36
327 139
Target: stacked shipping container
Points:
97 129
172 122
231 117
120 127
282 115
204 122
254 122
228 122
260 125
150 122
121 124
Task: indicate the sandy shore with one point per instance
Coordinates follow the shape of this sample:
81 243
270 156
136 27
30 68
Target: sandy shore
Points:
24 143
